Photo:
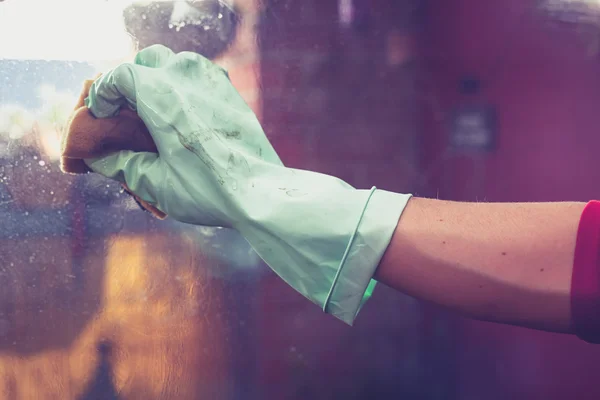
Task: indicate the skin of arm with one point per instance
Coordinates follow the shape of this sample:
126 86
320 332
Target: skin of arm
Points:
503 262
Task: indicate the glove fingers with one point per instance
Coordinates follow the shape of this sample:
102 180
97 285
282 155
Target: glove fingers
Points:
115 90
112 91
186 100
143 173
155 56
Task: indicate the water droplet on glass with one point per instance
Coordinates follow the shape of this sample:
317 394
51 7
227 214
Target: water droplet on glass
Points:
42 163
220 16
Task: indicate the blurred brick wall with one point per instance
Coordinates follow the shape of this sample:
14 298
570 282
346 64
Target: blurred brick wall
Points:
340 101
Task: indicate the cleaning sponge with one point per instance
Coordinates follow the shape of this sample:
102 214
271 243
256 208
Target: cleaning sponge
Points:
88 137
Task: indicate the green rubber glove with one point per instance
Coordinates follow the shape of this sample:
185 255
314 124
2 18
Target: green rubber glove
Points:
216 167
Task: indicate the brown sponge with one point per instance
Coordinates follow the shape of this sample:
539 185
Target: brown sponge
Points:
89 137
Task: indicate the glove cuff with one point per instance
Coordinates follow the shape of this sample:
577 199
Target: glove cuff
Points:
353 284
327 242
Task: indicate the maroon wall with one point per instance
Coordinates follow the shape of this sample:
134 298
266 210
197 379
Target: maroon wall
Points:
333 102
545 85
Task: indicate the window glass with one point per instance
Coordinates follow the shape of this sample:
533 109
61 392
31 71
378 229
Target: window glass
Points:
460 99
100 300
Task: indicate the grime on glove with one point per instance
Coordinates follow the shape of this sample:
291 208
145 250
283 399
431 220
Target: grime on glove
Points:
215 167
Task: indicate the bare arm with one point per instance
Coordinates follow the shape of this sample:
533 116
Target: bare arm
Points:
508 263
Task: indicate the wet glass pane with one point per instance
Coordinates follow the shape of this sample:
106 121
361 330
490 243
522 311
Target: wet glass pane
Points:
456 99
99 300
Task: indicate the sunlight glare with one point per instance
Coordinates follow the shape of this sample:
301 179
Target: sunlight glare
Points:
66 30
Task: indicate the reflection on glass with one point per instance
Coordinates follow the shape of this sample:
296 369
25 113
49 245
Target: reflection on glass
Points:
98 300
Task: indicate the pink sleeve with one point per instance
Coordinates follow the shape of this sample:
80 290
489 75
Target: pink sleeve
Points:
585 285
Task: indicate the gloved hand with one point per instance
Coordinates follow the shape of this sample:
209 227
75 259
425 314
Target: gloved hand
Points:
216 167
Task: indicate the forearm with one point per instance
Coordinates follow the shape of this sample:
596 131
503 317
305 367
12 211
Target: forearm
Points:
509 263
